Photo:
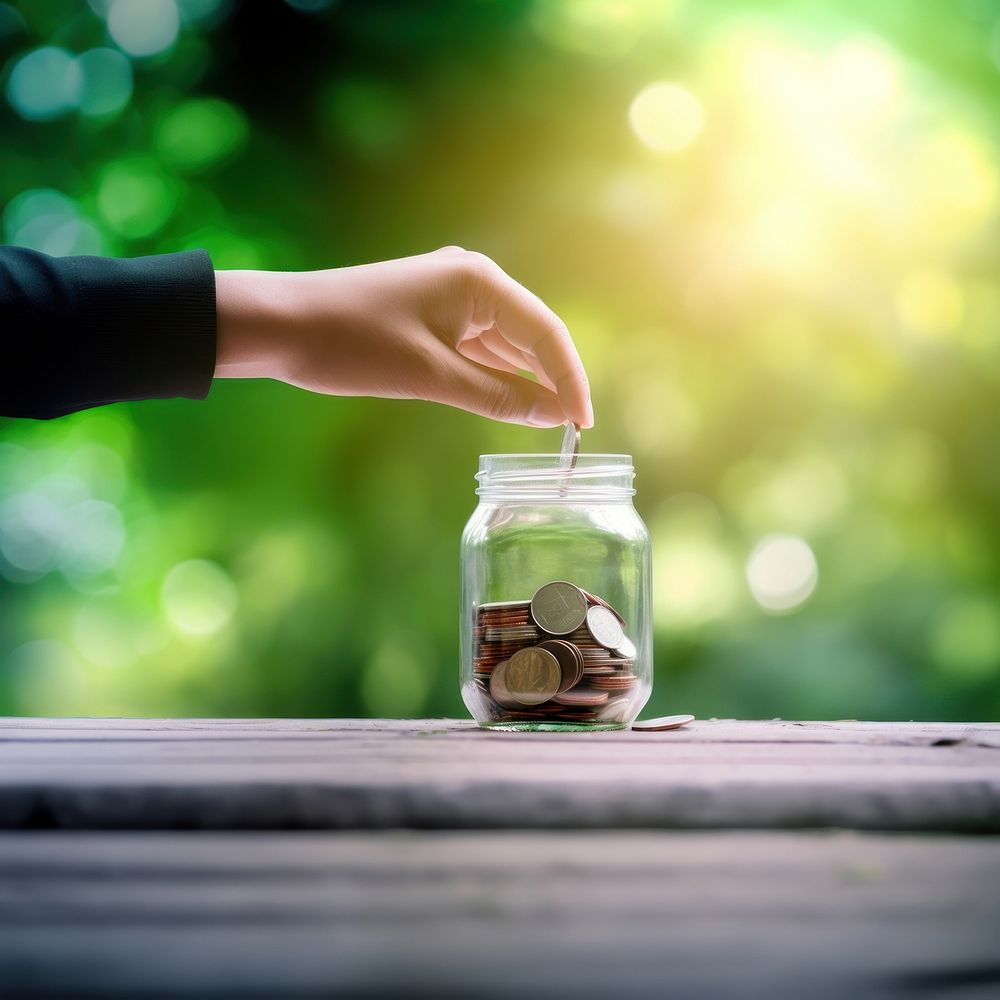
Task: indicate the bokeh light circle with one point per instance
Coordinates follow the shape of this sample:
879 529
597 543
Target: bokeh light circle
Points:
666 117
49 221
201 132
781 572
106 82
93 538
136 197
44 84
199 598
143 27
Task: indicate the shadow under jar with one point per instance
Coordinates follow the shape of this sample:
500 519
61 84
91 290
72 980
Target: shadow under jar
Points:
556 631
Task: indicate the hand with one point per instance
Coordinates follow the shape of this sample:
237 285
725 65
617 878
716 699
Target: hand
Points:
448 326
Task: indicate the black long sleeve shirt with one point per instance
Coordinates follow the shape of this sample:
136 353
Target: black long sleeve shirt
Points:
77 332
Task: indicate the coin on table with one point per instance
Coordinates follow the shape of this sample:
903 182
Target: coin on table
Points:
532 675
570 445
559 608
663 723
604 627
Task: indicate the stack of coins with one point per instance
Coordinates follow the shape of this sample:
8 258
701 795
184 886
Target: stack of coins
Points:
561 656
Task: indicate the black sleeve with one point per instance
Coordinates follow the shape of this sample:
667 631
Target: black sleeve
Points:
81 331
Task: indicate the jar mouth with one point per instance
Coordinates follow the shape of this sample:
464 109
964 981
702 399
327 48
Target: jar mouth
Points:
538 476
549 456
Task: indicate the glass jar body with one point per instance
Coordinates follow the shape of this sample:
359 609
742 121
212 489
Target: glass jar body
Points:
577 535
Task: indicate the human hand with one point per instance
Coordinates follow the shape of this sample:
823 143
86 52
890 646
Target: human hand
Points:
448 326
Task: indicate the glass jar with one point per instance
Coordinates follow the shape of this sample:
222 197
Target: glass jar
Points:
556 630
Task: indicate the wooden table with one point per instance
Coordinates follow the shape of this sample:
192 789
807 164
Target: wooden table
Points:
231 858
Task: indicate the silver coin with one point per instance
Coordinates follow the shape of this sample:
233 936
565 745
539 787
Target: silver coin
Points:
497 605
559 608
570 445
615 710
663 723
626 649
604 627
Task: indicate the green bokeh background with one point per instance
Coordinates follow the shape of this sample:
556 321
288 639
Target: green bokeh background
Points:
791 319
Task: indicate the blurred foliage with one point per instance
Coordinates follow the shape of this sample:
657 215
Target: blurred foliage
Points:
773 231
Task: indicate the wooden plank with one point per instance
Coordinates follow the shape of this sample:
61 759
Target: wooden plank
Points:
589 914
179 774
17 729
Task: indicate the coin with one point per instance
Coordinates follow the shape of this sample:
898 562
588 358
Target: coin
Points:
604 627
497 635
570 445
532 676
663 723
559 608
615 710
594 599
570 661
499 691
614 682
583 699
626 649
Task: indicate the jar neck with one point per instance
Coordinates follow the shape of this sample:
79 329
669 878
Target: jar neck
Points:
548 479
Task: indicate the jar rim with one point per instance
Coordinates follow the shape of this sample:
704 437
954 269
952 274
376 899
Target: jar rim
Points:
534 475
623 459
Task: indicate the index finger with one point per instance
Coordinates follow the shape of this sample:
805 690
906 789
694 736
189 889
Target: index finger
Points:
527 323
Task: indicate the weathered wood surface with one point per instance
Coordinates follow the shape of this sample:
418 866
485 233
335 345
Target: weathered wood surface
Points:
344 774
499 914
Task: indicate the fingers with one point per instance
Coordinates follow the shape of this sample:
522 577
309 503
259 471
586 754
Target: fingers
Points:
477 351
528 324
498 395
494 340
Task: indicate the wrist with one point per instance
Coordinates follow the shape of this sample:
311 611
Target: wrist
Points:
250 318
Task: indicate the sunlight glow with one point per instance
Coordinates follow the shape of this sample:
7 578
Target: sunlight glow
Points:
666 117
930 302
781 572
199 598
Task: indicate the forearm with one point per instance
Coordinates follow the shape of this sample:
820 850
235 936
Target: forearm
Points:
83 331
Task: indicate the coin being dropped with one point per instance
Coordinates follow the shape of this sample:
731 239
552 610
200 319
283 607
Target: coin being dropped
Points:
663 723
570 445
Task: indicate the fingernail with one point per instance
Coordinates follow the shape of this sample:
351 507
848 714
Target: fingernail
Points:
545 413
590 414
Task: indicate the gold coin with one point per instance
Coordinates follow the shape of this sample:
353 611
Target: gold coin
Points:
532 676
559 607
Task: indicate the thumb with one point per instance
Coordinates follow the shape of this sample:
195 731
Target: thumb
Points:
499 395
